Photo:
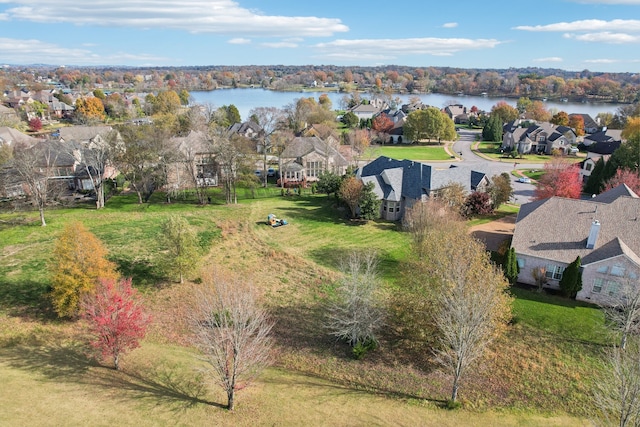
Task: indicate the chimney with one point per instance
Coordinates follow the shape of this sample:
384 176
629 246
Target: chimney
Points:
593 234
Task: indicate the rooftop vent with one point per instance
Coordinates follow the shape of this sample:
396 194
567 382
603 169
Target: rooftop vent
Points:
593 234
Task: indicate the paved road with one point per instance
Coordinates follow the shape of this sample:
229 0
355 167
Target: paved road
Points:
523 193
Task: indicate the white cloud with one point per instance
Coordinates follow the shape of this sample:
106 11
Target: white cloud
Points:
196 16
279 45
626 25
4 17
392 48
605 37
239 40
549 59
601 61
31 51
450 25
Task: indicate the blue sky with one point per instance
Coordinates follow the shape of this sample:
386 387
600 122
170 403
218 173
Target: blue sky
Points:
598 35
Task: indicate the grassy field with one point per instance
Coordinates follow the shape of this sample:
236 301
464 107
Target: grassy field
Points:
492 150
410 152
538 374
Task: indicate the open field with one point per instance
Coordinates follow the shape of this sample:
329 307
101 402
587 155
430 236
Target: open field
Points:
492 151
410 152
538 374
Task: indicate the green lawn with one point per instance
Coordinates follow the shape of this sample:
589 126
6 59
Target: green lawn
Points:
538 375
410 152
492 150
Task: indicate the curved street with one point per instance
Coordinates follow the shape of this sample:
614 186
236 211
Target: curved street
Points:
523 193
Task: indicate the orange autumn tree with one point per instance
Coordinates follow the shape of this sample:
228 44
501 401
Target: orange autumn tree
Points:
90 108
79 261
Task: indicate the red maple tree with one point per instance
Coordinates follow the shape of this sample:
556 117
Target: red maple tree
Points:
382 123
35 124
560 178
624 176
117 321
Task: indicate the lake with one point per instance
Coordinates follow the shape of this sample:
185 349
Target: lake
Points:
247 99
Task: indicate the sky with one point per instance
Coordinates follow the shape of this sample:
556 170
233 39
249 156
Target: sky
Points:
574 35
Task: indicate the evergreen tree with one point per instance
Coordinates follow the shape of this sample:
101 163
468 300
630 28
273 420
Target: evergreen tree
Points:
492 131
511 266
595 181
369 202
571 281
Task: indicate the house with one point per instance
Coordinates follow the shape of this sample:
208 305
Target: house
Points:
604 231
365 111
194 160
603 136
305 158
538 138
402 183
7 114
12 137
87 135
251 130
457 113
590 125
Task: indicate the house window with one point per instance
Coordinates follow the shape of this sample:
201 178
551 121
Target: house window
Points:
391 206
632 275
588 166
314 169
612 287
603 269
616 270
521 262
597 286
554 272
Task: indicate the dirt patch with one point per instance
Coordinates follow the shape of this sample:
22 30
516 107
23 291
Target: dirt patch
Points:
493 233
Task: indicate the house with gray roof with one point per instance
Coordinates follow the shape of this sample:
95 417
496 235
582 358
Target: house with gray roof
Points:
87 135
604 231
305 158
13 137
402 183
538 138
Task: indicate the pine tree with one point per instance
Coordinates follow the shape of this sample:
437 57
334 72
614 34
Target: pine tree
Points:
571 281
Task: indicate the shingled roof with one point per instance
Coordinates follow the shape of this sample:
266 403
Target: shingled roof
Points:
557 228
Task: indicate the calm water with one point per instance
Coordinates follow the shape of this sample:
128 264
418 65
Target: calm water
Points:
247 99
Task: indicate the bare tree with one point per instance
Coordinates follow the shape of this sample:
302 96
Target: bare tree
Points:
622 311
232 332
36 168
231 155
616 393
471 305
270 119
355 315
96 159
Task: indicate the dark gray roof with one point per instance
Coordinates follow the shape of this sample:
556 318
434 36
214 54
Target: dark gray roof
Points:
604 147
557 229
416 176
611 195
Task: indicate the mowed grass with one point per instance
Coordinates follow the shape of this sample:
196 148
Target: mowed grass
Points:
492 150
410 152
536 374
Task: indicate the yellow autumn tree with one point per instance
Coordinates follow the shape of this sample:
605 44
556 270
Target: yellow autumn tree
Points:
79 260
90 108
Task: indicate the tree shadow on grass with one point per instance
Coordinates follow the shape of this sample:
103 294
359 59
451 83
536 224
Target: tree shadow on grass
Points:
354 388
24 296
159 385
142 272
